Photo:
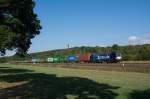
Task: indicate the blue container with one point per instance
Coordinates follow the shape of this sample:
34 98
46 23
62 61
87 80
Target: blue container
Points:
35 60
104 57
95 58
72 58
100 57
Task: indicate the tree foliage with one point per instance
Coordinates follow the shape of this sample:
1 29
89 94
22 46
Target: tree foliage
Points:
18 25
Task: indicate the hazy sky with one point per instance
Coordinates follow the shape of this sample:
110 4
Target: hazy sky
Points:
91 23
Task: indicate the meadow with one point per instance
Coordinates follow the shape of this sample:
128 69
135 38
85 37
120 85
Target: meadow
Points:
37 82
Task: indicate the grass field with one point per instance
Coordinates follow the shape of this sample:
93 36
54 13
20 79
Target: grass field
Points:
32 82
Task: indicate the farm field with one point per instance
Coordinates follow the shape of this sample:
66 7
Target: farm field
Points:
50 82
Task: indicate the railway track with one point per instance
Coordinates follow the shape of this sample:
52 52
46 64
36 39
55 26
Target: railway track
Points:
126 67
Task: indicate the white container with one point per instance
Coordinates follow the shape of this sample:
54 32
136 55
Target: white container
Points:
50 59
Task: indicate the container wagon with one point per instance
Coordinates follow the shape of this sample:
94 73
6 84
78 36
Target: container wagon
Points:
72 58
84 58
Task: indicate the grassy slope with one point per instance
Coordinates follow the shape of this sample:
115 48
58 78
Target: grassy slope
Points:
127 81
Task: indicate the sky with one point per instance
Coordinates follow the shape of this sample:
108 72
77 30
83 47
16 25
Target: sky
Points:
91 23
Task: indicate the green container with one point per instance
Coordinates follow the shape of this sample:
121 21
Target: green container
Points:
63 59
59 59
56 59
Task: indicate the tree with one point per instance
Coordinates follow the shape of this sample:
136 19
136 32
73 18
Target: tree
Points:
18 25
115 48
144 53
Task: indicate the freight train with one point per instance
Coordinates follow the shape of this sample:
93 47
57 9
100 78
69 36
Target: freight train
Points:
85 58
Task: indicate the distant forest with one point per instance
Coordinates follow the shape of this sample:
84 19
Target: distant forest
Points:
129 52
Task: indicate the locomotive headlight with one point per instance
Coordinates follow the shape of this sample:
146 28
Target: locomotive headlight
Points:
118 58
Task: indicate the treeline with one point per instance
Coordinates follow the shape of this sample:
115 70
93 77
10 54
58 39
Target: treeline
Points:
129 52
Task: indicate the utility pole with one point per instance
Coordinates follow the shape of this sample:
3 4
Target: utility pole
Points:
68 46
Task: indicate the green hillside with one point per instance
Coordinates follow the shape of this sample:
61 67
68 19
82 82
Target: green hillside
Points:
129 52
